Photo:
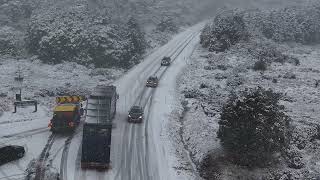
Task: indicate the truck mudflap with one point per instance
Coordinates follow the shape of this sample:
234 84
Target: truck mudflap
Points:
94 165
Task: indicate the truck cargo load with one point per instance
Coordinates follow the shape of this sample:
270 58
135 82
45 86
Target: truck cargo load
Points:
96 143
96 139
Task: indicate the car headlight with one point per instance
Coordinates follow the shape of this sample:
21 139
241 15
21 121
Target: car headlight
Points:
140 117
129 116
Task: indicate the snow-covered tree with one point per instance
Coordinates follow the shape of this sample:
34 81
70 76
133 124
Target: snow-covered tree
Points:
253 126
77 34
292 24
228 28
10 41
136 38
167 24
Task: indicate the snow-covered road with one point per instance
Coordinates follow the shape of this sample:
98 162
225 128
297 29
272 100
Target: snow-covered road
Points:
137 152
134 147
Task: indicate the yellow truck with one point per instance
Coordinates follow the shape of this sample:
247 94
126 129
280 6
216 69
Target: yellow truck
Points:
66 115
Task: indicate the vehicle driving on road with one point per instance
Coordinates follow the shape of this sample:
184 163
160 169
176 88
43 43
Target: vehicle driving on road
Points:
96 137
135 114
11 153
65 117
152 81
67 113
165 61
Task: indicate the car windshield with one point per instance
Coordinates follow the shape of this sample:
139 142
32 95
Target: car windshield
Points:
135 110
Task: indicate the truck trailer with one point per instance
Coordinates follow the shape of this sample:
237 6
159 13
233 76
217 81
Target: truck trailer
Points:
96 138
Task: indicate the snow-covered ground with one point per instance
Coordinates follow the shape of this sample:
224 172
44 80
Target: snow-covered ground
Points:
152 155
27 129
42 82
134 152
210 77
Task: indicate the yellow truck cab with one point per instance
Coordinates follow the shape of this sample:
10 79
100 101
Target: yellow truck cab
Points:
66 116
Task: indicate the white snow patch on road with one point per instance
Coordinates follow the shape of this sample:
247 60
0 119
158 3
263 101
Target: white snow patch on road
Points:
165 102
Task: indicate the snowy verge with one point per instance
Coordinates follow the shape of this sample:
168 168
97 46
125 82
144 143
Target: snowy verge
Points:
206 84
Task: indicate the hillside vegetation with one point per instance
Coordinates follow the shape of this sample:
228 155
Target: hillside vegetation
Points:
256 75
299 24
99 33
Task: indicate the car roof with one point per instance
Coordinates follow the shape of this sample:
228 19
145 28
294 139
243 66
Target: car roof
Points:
13 146
136 107
153 77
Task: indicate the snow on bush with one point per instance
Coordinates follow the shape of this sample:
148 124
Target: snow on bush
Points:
298 24
167 24
253 126
291 24
260 66
228 28
289 75
301 136
77 34
294 158
10 41
14 11
303 174
267 52
192 93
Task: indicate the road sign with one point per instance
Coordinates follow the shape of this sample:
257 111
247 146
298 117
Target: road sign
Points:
25 103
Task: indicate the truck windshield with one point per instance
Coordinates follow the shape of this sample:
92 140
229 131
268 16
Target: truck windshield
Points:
64 115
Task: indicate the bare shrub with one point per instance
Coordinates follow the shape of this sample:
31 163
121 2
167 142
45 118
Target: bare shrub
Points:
260 66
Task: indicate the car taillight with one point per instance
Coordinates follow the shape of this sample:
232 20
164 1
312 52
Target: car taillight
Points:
50 124
71 124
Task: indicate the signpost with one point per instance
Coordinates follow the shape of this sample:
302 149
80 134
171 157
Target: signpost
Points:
19 102
19 80
25 103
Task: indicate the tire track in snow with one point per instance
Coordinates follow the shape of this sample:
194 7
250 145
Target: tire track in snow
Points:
143 156
26 133
136 147
40 169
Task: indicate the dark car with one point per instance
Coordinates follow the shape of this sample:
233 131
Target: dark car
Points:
152 81
135 114
11 153
165 61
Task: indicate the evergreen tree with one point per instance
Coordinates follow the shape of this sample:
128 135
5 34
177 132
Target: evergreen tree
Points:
253 126
136 37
